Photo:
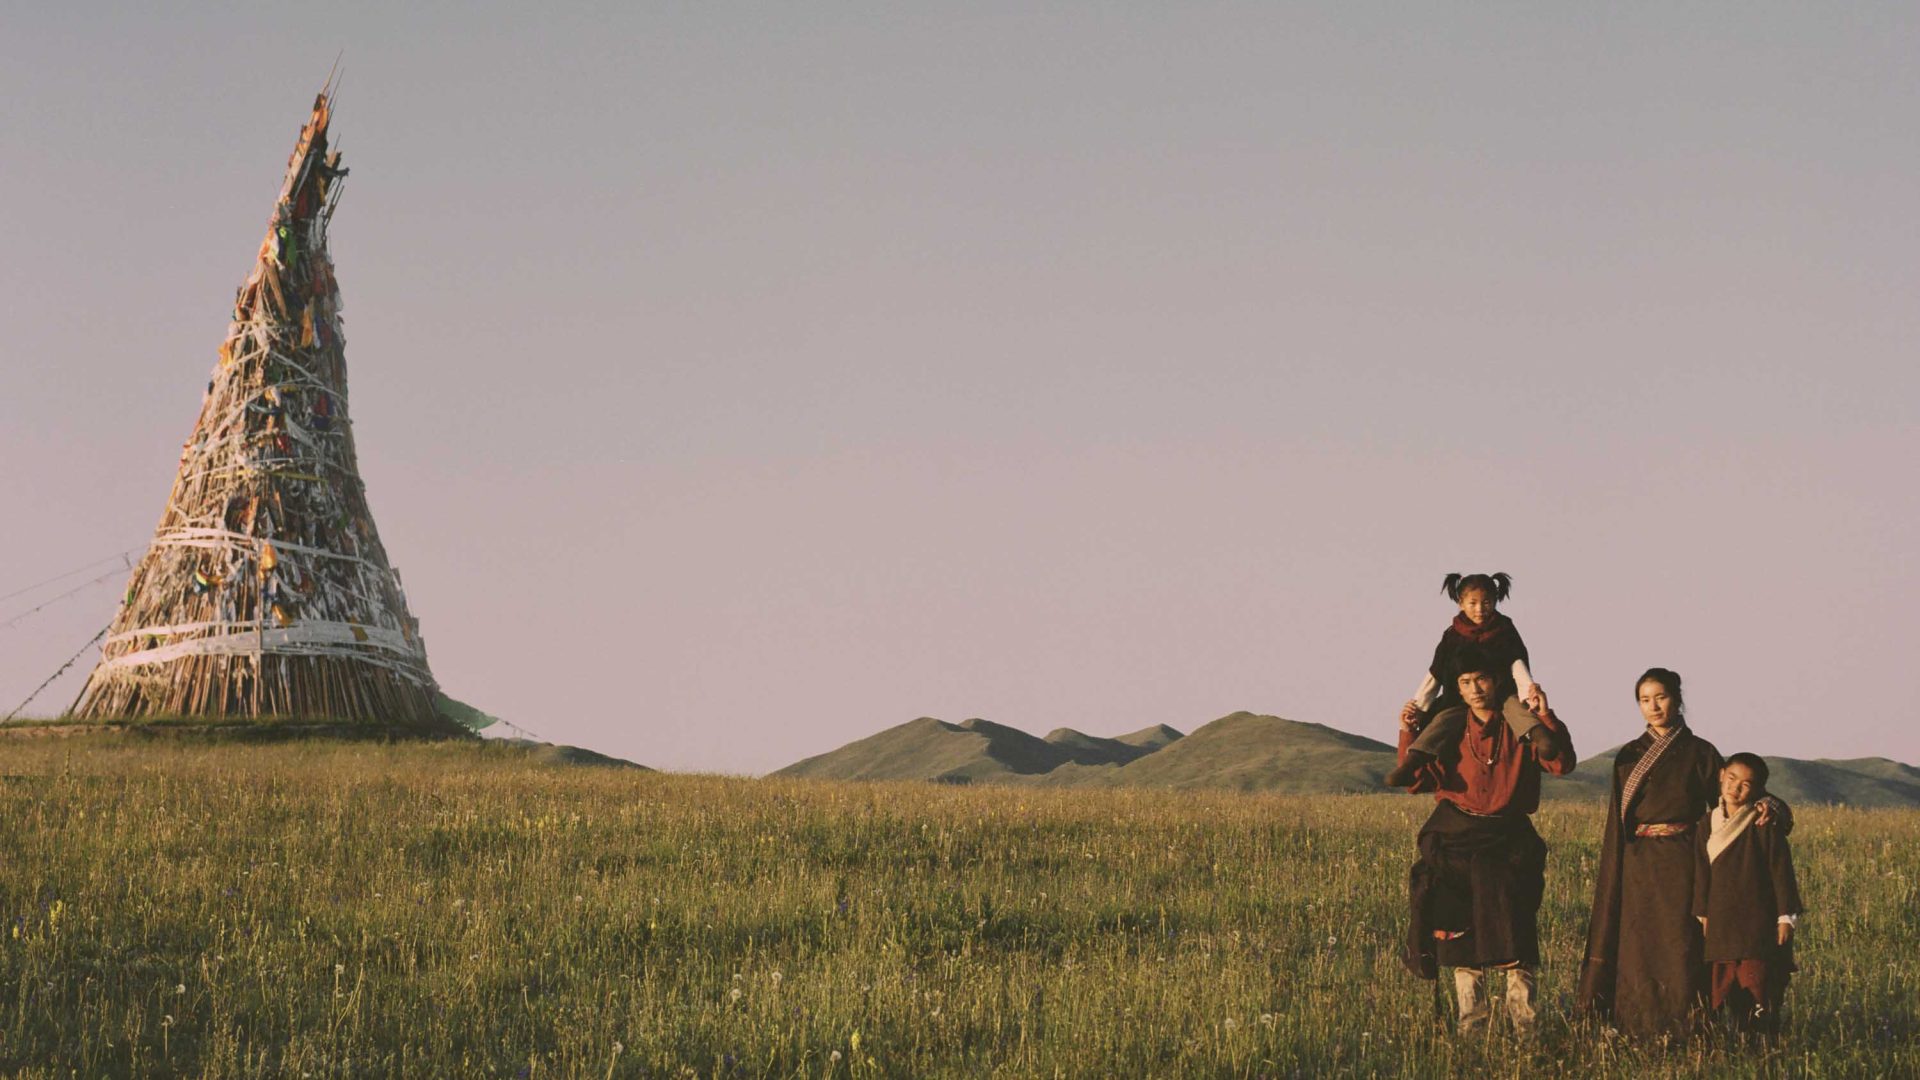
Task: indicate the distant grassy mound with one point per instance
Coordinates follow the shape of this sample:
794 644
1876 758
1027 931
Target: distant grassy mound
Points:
1589 779
970 752
1855 782
1151 738
1096 750
1241 752
1248 752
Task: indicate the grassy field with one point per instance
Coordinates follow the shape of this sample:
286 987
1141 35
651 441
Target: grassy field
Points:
324 909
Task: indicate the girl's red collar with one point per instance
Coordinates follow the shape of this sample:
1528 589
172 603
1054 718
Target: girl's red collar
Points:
1496 625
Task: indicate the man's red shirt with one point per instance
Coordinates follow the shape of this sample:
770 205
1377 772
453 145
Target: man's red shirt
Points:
1510 784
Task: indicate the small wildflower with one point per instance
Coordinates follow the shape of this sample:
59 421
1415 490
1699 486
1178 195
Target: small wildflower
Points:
180 988
776 978
339 969
577 898
733 994
617 1048
1266 1019
834 1057
1229 1023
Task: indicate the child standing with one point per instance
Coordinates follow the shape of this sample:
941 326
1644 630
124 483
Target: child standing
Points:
1481 626
1746 899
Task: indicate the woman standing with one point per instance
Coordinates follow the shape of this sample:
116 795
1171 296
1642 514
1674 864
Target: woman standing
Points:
1644 965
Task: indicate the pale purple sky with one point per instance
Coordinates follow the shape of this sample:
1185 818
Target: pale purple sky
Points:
731 383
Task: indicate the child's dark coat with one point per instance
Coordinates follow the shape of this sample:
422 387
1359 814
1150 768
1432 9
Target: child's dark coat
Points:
1744 892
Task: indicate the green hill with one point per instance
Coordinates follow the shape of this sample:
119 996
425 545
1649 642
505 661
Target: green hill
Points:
1151 738
1871 782
1248 752
1589 779
1087 749
969 752
1242 751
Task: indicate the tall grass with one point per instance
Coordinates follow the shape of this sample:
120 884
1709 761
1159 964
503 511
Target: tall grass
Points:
322 909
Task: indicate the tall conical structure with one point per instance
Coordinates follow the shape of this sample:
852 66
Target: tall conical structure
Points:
266 591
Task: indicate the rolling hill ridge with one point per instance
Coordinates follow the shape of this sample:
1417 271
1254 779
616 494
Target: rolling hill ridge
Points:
1245 751
974 751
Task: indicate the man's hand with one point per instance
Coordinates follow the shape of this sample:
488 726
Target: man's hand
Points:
1786 933
1410 716
1763 814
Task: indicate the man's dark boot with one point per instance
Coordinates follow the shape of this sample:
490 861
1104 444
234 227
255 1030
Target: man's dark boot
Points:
1403 774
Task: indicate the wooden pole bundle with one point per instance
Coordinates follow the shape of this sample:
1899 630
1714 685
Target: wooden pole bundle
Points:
266 591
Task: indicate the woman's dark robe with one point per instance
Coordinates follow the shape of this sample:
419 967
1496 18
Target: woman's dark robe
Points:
1644 966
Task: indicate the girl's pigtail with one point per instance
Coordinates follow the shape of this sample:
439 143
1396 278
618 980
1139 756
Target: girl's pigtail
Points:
1502 585
1452 586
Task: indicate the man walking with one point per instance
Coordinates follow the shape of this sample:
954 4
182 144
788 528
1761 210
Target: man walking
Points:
1474 893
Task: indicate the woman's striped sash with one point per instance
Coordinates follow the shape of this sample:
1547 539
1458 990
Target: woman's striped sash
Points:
1642 767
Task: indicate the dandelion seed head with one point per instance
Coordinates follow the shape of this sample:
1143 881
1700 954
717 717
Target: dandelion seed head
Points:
180 988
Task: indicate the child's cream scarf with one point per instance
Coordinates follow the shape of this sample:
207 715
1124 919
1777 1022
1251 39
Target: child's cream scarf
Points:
1728 829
